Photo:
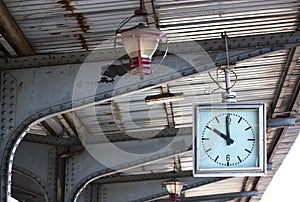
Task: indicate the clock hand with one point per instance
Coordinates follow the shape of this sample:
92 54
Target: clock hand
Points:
227 131
222 135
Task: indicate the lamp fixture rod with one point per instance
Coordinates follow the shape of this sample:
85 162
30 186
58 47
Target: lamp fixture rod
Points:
229 96
142 10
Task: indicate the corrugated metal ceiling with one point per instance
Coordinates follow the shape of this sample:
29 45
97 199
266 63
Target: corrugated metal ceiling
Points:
67 26
196 20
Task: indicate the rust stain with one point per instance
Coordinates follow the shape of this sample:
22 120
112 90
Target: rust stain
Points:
80 19
66 4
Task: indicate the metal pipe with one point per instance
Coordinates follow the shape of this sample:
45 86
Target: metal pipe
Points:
61 173
14 32
281 122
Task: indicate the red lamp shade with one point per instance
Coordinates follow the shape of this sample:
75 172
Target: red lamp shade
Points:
174 188
140 43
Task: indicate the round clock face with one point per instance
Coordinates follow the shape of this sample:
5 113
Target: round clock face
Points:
229 139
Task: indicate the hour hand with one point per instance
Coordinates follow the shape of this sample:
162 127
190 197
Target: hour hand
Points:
223 136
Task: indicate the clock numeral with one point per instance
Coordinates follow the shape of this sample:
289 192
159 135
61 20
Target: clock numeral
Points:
227 157
228 119
208 150
251 139
217 120
205 138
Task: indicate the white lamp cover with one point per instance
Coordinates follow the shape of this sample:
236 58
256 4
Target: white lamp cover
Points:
140 43
174 187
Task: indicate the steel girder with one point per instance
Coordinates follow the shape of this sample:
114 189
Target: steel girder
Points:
282 40
218 197
30 94
124 188
148 190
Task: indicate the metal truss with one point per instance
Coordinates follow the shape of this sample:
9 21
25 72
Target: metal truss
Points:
114 190
217 197
36 87
279 40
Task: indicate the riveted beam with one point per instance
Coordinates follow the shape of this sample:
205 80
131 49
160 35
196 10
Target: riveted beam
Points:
85 170
218 197
285 79
142 177
277 40
191 183
55 141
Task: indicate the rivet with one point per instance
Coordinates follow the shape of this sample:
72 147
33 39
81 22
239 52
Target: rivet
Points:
12 105
3 127
2 135
4 105
12 82
4 90
11 112
11 120
4 97
5 82
3 120
10 127
3 112
12 97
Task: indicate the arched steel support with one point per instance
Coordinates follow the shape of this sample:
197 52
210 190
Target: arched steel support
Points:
36 179
31 94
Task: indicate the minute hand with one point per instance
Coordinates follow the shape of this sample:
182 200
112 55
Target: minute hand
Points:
223 136
227 130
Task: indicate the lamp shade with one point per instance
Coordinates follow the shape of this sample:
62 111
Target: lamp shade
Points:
140 43
174 188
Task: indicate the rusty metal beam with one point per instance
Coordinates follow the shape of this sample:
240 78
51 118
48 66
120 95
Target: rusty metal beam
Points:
14 32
